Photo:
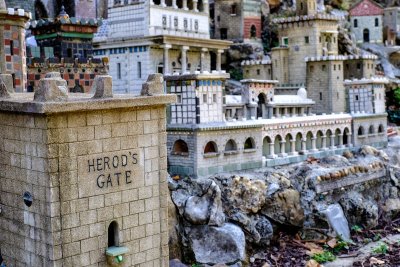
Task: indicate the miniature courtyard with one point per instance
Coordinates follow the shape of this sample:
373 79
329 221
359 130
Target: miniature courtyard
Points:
199 133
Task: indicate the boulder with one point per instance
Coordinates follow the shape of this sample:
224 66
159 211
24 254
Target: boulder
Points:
173 230
247 195
3 90
392 207
360 211
213 245
102 86
176 263
51 89
338 221
153 86
284 207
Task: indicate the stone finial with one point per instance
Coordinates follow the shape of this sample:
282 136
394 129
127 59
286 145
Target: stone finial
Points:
154 85
51 88
3 89
3 5
102 86
8 82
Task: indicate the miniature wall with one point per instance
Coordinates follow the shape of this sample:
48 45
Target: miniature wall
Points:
280 64
79 73
359 68
367 23
257 71
370 129
226 18
181 149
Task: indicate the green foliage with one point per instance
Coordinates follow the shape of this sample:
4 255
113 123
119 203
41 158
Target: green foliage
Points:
382 248
324 257
397 95
236 74
341 245
377 237
356 228
196 265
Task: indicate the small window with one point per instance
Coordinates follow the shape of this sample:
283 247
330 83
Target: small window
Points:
11 47
356 97
355 23
180 148
178 99
285 40
311 69
233 9
323 67
210 147
376 22
139 69
205 98
334 67
306 39
230 146
258 72
360 131
214 98
224 33
358 66
119 71
218 18
249 143
253 31
380 129
371 129
113 235
320 39
320 96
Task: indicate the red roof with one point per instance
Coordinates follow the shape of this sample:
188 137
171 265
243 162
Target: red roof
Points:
366 8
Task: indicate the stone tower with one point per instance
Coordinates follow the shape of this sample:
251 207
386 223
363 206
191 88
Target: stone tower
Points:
306 7
13 52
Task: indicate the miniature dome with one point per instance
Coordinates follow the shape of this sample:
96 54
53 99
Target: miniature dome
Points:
302 92
3 5
63 15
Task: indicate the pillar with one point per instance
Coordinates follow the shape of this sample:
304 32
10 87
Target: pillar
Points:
293 147
195 9
323 142
283 153
271 151
184 49
277 114
301 111
174 5
349 143
219 59
152 2
340 140
314 144
184 4
163 3
166 58
333 141
203 59
285 111
303 146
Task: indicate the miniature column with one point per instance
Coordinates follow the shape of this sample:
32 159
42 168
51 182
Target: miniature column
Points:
163 3
203 59
293 148
205 6
195 9
349 143
340 140
303 146
152 2
166 58
184 5
184 49
283 153
219 60
272 151
333 141
174 4
323 142
301 111
314 144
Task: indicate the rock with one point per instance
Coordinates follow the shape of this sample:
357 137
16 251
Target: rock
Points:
206 209
247 195
369 150
3 90
359 211
176 263
213 245
3 5
51 89
264 230
173 230
153 86
285 208
102 86
392 207
347 154
338 221
272 188
8 81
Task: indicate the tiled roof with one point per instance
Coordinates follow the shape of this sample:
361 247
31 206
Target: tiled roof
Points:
366 8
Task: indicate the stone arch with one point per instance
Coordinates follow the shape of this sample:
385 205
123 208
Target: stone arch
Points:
309 138
40 10
381 128
190 4
200 6
328 135
180 147
277 144
338 132
361 130
211 147
299 140
319 139
113 234
230 145
253 31
249 143
179 3
346 136
262 100
288 143
266 149
371 129
366 35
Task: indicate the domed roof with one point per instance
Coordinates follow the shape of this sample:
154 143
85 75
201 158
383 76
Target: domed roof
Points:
302 92
3 5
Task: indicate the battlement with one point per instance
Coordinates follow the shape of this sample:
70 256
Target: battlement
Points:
65 62
255 62
372 80
197 75
17 12
318 16
340 57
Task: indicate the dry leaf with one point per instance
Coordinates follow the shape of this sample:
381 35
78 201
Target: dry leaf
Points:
176 177
332 243
313 263
313 248
374 260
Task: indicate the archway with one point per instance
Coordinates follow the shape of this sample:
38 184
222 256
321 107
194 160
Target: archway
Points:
288 143
319 139
261 105
249 143
360 131
253 31
346 140
266 150
299 138
328 138
180 148
113 234
277 144
366 35
371 129
211 147
309 137
337 137
40 10
230 145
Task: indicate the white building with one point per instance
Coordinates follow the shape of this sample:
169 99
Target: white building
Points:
157 36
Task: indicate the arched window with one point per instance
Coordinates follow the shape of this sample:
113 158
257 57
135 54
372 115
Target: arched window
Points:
355 23
211 147
380 128
180 148
301 6
371 129
113 236
249 143
233 9
360 130
376 22
230 145
253 31
40 10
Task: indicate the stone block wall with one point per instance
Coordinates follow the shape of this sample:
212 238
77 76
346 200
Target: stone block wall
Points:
359 68
367 23
370 129
280 64
259 71
225 19
85 170
181 162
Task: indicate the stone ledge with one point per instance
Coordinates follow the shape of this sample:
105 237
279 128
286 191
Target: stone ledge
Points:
23 102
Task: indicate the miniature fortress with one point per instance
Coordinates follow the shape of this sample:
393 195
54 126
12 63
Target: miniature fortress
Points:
311 102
